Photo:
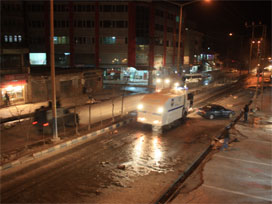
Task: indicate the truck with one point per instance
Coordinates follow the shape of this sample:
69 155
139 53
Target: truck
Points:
163 108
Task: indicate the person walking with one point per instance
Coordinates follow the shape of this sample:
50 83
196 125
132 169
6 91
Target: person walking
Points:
226 140
7 101
246 109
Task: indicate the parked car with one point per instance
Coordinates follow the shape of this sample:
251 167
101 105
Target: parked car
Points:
212 111
43 119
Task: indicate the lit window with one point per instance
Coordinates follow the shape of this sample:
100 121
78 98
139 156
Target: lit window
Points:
55 40
6 38
15 38
19 38
10 38
109 40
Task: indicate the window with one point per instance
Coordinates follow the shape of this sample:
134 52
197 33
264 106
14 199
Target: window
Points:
170 16
79 23
88 8
169 29
121 24
79 8
6 38
159 13
109 40
15 38
89 24
58 40
107 8
10 38
63 24
158 27
121 8
107 24
158 41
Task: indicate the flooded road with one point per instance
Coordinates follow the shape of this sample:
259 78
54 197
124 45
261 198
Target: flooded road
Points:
113 160
132 165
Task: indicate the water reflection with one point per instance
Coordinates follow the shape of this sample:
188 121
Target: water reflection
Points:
157 153
138 147
147 151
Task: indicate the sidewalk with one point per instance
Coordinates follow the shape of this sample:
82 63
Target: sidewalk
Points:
17 110
242 174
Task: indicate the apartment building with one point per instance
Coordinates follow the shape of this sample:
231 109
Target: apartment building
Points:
134 40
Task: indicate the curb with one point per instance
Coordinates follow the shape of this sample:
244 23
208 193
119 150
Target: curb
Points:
69 143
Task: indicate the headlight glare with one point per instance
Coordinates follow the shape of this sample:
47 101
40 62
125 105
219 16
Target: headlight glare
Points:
140 106
160 109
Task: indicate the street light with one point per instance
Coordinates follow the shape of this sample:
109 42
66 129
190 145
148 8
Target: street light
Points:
52 65
180 23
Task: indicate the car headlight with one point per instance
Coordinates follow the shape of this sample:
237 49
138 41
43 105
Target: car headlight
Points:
140 106
160 109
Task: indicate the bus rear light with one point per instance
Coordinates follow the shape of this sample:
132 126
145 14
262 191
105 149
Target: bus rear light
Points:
45 124
34 123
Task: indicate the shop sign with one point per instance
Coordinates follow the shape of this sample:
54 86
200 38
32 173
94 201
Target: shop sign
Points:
13 83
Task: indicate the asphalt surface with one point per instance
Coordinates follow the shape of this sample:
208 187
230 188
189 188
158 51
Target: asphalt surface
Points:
134 165
242 174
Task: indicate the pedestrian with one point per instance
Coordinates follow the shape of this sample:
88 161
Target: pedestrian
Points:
7 101
246 109
226 139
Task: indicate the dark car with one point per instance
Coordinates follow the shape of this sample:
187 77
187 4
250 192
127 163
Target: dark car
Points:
212 111
42 119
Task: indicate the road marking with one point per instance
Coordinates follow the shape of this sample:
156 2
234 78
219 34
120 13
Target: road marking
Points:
238 193
253 162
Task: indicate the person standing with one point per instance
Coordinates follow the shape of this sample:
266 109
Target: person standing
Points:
7 101
246 109
226 140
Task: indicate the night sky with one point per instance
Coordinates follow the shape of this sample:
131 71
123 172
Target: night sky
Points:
218 18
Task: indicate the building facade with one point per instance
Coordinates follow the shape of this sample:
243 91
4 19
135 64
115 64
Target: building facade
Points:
131 41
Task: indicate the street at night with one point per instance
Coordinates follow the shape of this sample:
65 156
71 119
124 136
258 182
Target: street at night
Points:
136 102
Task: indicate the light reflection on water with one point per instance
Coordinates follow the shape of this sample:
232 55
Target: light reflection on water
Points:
157 153
147 151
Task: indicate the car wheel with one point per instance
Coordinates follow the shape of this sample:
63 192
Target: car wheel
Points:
230 115
211 117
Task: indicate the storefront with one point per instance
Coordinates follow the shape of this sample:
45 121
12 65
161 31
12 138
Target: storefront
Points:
14 86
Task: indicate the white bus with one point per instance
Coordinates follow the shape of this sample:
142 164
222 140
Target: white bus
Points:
165 107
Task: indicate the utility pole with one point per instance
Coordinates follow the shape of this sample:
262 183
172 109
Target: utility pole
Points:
260 53
263 54
180 27
251 41
52 64
179 40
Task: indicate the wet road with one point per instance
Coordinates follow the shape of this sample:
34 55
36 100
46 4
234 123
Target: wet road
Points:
116 161
80 173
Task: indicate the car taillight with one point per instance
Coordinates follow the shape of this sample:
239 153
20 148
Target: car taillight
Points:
34 123
45 124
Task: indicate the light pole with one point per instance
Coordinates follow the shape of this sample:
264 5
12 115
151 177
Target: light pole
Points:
180 26
228 50
52 64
